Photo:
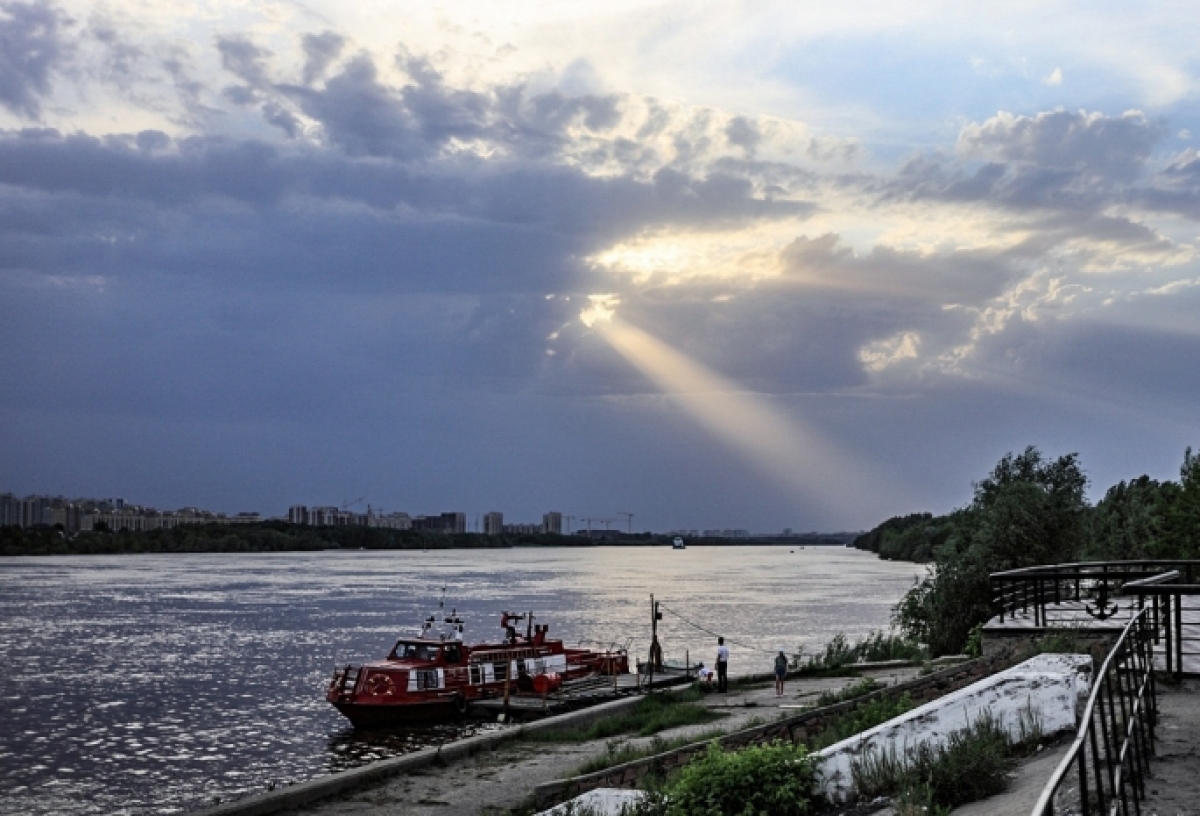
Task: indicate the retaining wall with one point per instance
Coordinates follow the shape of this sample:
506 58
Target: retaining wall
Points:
797 729
1047 691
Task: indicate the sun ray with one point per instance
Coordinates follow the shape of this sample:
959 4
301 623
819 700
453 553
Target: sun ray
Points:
809 466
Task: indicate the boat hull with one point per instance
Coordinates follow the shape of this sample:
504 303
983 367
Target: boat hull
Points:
368 716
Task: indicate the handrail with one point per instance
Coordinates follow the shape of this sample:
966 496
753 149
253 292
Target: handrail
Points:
1044 568
1123 767
1151 583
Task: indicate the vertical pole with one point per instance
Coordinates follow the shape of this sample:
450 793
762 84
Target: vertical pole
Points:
1179 635
653 637
1168 632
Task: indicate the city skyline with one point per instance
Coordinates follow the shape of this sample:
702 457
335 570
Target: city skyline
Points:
73 514
763 266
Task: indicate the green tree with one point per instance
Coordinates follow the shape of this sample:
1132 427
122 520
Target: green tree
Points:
1027 511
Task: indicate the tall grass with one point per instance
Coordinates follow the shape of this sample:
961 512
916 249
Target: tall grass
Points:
840 654
972 764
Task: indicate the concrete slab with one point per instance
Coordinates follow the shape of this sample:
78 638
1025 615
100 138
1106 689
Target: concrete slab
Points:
1054 687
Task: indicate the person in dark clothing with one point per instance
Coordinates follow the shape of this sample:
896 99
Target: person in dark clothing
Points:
781 666
722 666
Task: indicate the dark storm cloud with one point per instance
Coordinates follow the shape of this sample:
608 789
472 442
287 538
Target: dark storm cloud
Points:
30 45
1060 160
1111 147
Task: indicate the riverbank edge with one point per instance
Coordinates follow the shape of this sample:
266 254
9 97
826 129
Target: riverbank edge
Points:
323 787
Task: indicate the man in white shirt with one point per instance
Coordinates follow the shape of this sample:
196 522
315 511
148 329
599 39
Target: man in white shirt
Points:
722 666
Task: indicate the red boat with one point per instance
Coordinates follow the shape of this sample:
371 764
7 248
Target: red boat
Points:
436 676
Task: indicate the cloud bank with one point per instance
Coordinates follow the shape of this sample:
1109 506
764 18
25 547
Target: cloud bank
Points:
295 265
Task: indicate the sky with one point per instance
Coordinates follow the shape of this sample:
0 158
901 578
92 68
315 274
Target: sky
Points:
744 265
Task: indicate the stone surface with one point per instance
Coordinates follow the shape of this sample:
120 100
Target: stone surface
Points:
601 802
1053 687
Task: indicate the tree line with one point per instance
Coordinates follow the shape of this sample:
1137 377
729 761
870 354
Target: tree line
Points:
1030 510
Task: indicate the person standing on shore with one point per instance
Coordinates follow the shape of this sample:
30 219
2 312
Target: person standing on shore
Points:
781 664
722 666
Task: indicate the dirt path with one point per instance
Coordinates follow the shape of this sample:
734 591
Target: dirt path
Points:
1174 786
499 781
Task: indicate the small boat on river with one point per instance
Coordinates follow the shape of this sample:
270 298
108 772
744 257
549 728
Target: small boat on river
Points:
435 676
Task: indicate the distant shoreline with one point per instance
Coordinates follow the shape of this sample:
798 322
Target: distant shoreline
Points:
274 536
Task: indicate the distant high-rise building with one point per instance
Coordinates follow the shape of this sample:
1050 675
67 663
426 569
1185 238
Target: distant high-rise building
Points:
454 522
10 510
298 514
493 523
445 523
552 523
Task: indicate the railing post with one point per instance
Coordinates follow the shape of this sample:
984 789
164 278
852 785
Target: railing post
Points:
1179 635
1097 770
1168 647
1083 797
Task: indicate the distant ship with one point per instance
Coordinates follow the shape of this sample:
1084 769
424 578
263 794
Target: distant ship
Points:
678 544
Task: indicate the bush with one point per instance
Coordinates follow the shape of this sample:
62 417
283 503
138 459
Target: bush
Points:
767 780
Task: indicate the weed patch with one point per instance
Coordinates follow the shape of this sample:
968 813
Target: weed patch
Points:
862 718
839 654
618 752
973 764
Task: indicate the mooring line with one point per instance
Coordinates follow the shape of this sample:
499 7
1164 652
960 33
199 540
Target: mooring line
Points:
714 634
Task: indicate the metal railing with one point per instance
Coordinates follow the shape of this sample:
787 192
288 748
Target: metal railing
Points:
1111 752
1094 584
1085 594
1174 609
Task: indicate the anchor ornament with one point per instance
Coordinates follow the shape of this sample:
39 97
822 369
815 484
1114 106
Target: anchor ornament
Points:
1102 610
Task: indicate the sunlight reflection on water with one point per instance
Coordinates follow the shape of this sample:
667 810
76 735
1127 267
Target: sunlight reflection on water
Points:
154 684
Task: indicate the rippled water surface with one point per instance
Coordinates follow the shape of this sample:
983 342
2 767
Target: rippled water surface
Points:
159 683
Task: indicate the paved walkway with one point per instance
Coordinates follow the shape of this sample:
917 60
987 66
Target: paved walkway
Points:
1174 787
502 780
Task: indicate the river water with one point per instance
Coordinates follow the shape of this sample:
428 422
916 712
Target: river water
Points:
162 683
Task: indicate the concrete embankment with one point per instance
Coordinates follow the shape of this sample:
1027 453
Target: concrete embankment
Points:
305 793
495 773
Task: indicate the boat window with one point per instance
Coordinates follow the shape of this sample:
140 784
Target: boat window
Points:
415 651
452 653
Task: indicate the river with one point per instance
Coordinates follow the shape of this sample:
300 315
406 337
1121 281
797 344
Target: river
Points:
142 684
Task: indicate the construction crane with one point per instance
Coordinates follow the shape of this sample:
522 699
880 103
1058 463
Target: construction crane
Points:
628 522
569 520
349 504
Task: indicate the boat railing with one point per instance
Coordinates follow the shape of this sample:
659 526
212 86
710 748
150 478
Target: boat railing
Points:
506 654
1110 756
